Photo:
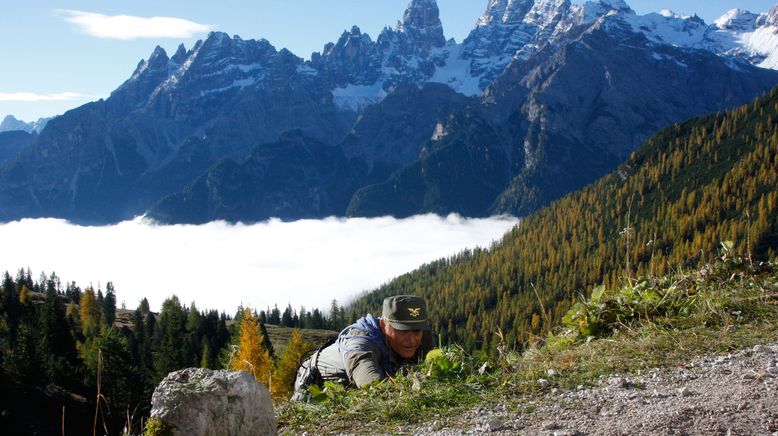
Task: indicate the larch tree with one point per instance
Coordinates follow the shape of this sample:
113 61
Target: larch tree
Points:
251 355
90 314
284 375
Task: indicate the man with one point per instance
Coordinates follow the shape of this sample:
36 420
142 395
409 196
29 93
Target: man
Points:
370 349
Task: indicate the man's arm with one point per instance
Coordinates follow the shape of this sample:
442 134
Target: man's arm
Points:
362 363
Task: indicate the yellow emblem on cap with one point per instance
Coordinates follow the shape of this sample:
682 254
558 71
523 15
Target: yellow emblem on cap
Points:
414 312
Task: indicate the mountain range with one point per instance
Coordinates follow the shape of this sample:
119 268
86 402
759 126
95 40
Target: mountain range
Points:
10 123
540 99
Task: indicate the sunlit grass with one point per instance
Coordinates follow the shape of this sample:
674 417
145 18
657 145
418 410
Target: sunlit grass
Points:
648 323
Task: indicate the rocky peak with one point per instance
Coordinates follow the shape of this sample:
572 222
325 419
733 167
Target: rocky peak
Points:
769 18
545 12
180 55
158 61
349 45
736 20
593 10
421 22
10 123
505 11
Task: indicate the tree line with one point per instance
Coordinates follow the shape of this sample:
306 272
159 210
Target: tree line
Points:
70 339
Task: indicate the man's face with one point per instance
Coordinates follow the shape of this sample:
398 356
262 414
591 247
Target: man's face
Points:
403 342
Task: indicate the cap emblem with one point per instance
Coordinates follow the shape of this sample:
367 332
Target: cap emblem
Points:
414 311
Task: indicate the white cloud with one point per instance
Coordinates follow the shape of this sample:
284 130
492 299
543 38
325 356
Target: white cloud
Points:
220 266
32 97
127 27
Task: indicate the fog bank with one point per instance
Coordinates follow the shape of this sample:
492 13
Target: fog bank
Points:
221 266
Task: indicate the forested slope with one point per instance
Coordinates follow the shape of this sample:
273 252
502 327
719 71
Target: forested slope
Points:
691 187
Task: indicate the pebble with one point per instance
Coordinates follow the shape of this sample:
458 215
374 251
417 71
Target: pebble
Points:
552 373
542 382
773 371
684 392
760 349
550 426
496 425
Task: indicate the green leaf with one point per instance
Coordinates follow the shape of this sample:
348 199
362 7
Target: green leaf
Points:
597 293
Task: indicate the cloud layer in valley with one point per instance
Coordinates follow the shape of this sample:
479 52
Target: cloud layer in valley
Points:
220 266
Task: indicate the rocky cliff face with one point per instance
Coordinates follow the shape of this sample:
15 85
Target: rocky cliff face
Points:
565 92
13 141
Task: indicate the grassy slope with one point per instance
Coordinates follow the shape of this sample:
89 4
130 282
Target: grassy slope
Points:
646 323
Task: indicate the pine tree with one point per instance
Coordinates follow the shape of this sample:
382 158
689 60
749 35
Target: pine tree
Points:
169 335
251 356
109 304
56 342
275 316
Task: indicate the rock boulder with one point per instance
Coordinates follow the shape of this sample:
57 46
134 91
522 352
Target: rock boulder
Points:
196 401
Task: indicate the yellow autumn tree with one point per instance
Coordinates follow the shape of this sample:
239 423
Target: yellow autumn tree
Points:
284 375
251 356
90 313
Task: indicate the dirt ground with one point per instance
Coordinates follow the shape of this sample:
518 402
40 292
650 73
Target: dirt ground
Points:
727 394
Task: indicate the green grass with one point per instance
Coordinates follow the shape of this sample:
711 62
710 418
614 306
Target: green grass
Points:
648 323
280 336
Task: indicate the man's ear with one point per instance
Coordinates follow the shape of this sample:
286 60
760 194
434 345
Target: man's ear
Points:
382 323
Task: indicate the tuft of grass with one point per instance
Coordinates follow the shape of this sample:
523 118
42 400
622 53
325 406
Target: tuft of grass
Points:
649 322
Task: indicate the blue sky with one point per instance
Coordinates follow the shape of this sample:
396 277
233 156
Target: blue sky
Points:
53 62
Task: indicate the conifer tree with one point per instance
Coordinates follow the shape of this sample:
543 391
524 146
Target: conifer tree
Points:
90 314
251 356
284 375
109 304
169 335
56 342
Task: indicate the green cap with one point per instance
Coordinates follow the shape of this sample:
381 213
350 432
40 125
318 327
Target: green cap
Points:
406 312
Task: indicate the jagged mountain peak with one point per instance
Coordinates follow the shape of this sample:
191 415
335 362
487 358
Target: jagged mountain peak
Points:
736 19
421 21
771 17
159 54
505 11
180 55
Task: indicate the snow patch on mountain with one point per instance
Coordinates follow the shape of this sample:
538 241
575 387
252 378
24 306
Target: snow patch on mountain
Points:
456 73
356 97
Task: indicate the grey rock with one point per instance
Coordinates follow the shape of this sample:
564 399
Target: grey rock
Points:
496 425
197 401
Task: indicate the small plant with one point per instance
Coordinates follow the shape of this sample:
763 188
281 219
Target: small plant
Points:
155 427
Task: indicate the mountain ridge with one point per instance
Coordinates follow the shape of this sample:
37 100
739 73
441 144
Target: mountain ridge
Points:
175 117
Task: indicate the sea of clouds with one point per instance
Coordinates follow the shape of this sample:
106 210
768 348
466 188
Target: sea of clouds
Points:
222 266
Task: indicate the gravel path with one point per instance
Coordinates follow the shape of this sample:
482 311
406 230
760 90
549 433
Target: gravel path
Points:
730 394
